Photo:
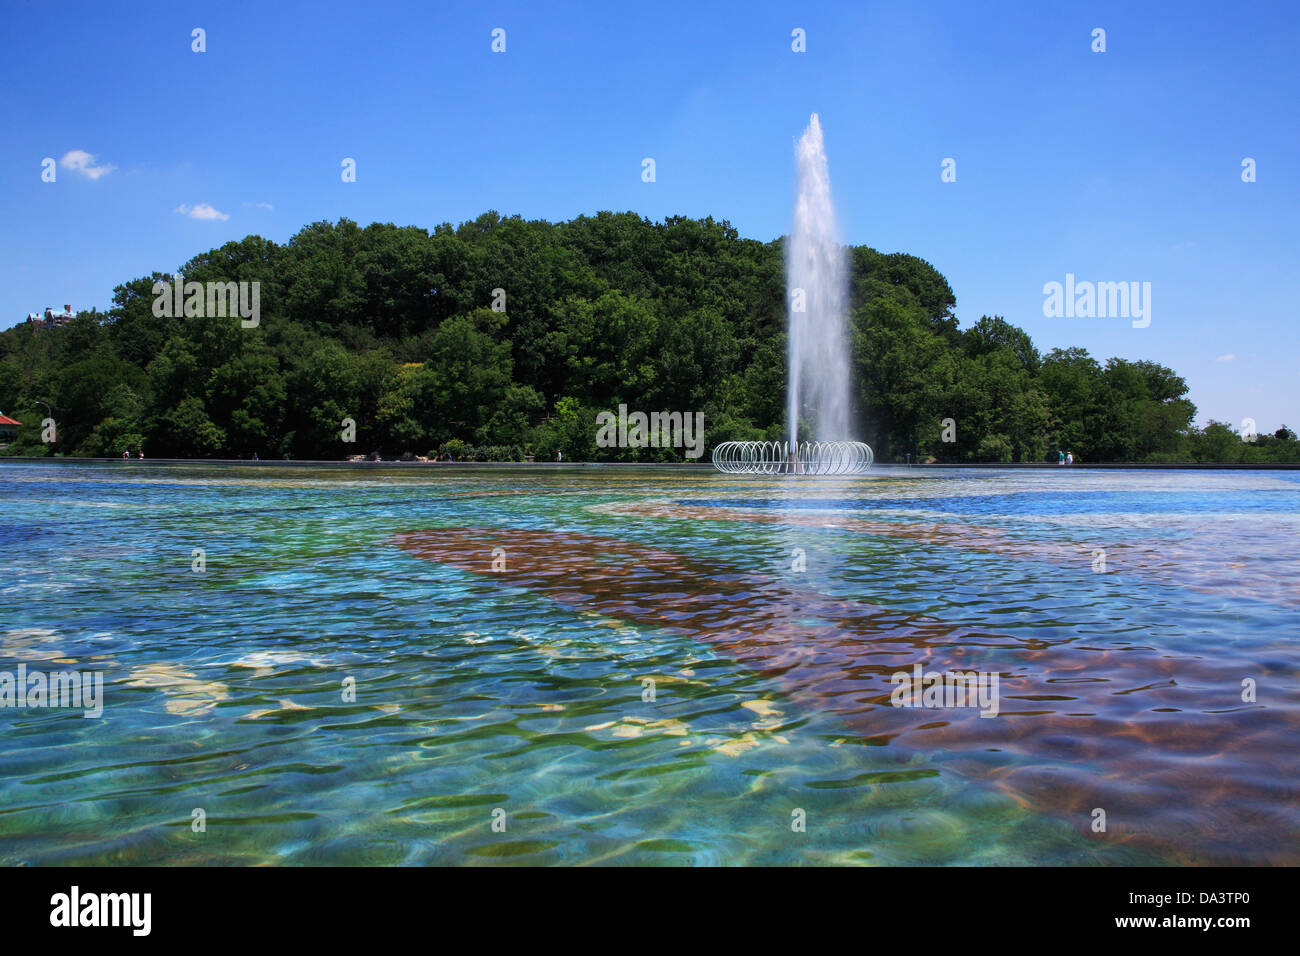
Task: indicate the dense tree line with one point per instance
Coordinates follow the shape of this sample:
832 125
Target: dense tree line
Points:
394 328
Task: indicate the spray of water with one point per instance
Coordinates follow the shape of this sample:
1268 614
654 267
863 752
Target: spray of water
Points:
816 273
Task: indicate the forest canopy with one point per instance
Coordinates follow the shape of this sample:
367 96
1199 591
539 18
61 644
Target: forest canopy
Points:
394 328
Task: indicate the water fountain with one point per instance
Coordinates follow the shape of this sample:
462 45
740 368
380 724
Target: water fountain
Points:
816 274
810 458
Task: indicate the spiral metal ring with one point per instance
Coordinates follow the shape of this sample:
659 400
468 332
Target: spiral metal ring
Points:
775 458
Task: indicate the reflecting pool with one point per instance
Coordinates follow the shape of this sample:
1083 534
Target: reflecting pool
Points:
446 664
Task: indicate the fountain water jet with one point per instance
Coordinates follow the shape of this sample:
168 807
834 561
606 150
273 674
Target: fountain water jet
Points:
816 275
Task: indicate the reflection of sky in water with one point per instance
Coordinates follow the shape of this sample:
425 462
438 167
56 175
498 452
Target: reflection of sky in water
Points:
523 690
1036 503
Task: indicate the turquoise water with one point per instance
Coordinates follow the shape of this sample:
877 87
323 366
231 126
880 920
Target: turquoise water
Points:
770 615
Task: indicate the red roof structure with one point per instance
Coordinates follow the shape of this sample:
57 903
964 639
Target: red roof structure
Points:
6 420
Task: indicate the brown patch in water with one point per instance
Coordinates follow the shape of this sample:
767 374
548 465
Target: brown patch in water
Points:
1199 568
1082 721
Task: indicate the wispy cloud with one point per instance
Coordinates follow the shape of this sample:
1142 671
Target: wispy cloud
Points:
201 211
1230 357
260 205
80 161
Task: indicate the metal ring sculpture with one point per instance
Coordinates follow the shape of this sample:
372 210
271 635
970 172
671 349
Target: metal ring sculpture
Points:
775 458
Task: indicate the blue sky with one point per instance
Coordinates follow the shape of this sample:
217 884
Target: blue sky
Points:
1115 166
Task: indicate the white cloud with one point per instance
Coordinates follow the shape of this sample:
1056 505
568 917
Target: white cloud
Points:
201 211
83 162
259 205
1231 356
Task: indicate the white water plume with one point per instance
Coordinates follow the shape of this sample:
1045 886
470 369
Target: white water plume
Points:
816 272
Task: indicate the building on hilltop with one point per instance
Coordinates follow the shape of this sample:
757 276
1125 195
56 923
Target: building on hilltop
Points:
8 429
51 319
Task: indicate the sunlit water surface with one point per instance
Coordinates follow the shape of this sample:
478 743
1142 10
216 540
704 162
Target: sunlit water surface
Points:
658 666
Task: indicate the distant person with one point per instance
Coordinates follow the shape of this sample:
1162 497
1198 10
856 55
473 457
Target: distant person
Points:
1061 454
559 456
126 454
1069 458
140 454
254 456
